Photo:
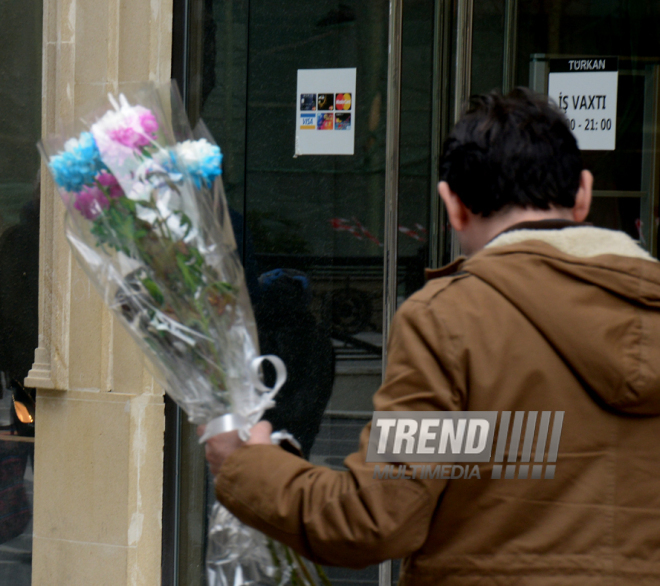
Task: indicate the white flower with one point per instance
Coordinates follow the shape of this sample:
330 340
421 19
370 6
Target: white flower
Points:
191 152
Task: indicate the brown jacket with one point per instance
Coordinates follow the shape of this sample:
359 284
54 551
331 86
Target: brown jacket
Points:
541 320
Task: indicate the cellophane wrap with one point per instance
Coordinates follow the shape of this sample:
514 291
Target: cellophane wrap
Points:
238 554
148 221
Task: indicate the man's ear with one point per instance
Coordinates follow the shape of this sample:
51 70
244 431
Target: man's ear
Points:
583 197
456 209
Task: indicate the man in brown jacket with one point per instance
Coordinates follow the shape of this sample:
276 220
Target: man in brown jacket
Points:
546 314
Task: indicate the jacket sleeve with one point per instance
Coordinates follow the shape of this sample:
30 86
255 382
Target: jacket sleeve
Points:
350 518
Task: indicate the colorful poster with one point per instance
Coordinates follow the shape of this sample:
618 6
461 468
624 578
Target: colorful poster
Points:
326 112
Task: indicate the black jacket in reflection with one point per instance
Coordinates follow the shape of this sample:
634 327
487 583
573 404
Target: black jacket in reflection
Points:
288 329
19 298
19 328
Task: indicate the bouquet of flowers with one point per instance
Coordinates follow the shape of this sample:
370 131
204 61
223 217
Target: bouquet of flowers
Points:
148 221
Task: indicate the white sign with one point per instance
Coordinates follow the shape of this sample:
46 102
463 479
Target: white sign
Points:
586 90
325 115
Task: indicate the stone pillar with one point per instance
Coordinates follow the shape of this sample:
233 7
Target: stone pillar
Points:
100 417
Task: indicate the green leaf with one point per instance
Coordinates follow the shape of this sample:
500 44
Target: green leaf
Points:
185 221
154 290
189 278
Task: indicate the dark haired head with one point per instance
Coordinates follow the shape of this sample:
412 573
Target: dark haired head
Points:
512 151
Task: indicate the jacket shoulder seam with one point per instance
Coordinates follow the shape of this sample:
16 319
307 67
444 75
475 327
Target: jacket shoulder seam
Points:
442 284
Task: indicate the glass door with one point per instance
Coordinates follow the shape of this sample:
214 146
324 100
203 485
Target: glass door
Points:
333 243
314 231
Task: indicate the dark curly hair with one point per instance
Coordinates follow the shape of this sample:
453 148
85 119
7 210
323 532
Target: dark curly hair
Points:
512 151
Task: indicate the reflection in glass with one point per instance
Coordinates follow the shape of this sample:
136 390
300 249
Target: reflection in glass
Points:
20 126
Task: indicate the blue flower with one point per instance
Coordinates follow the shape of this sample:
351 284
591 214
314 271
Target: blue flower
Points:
78 164
201 160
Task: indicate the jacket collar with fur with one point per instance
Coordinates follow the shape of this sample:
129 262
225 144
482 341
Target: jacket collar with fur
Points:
581 240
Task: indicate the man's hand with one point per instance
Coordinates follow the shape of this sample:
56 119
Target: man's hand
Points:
221 446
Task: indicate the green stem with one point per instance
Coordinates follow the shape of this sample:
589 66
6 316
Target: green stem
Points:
303 567
207 330
322 575
203 319
276 559
295 579
188 288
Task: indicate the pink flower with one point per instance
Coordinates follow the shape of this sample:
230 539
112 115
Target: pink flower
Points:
148 122
91 202
128 137
110 181
130 126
